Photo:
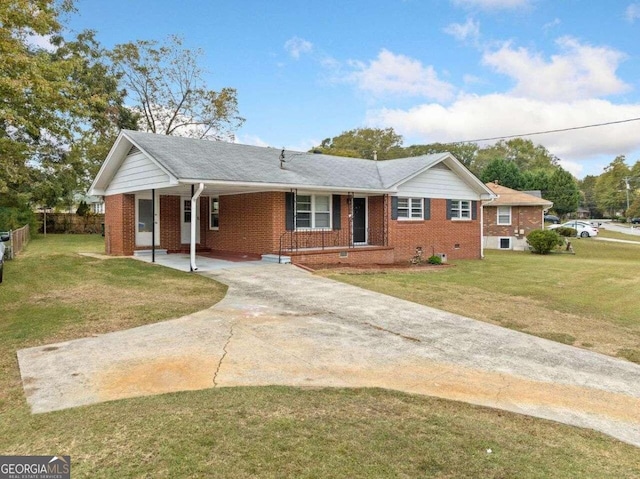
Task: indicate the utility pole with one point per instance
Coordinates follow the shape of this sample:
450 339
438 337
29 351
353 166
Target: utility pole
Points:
628 187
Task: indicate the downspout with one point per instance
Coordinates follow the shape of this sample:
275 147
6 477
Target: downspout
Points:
481 203
153 226
194 215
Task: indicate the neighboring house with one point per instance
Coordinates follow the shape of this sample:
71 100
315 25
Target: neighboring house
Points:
510 217
230 198
96 203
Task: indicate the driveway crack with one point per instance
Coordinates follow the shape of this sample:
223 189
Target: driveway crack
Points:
224 354
379 328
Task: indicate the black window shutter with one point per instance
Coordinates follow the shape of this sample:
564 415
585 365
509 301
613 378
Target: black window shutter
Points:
394 207
289 199
427 209
448 209
336 213
474 210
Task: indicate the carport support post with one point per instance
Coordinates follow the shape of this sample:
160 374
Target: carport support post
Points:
153 225
194 212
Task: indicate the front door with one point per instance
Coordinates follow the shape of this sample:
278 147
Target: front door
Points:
185 220
145 220
359 221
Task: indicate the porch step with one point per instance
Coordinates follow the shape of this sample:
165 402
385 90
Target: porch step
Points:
148 252
273 258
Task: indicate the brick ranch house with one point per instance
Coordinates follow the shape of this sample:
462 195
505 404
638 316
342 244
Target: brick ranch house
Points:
510 217
177 194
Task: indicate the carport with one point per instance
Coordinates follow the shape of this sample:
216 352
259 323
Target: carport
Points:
205 262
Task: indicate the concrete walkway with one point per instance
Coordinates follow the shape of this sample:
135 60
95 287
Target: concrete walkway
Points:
281 325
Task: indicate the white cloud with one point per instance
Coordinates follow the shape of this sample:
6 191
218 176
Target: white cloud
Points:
632 13
468 31
391 74
40 41
578 72
472 117
253 140
296 46
572 167
491 4
552 24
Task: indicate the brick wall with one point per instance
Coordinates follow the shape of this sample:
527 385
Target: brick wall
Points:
253 223
347 256
170 228
249 223
119 223
457 239
526 218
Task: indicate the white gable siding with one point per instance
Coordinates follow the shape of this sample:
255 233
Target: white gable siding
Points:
137 173
437 182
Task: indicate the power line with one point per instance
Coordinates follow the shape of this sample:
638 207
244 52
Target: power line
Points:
550 131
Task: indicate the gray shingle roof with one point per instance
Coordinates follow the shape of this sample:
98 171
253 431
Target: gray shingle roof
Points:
200 160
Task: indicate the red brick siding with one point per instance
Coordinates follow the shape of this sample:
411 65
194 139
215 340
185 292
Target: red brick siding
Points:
437 234
527 218
119 223
249 223
254 223
170 228
381 255
376 217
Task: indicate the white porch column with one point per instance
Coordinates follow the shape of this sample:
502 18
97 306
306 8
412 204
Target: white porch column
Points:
194 215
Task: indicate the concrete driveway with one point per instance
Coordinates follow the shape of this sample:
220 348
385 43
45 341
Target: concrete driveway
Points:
281 325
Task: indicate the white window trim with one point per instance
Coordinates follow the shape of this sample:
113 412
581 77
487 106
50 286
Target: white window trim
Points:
505 238
460 210
410 201
211 227
498 216
313 212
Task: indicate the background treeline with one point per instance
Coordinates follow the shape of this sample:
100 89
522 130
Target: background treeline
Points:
516 163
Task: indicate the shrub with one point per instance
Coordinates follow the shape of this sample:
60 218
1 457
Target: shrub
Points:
543 241
566 231
83 209
434 259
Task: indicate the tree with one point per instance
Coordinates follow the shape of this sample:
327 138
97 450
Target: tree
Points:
362 142
610 187
504 171
536 180
588 195
169 92
50 98
465 152
563 191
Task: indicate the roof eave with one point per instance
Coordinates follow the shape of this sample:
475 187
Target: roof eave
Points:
287 186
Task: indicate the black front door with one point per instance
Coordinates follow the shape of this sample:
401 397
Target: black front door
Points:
359 220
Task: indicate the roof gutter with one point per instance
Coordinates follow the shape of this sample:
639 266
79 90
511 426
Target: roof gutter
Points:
194 215
287 186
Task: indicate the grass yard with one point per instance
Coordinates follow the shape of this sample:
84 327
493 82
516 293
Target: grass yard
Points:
589 299
51 293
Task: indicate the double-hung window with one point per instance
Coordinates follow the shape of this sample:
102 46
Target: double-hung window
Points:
504 215
410 208
460 209
313 211
214 212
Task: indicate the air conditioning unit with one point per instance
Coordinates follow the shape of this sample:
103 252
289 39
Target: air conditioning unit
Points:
442 256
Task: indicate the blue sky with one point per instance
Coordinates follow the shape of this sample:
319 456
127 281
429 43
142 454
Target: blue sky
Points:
435 71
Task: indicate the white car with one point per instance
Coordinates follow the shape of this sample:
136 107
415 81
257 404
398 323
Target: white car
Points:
584 229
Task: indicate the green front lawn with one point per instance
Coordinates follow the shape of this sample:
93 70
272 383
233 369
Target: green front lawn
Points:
51 293
589 299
